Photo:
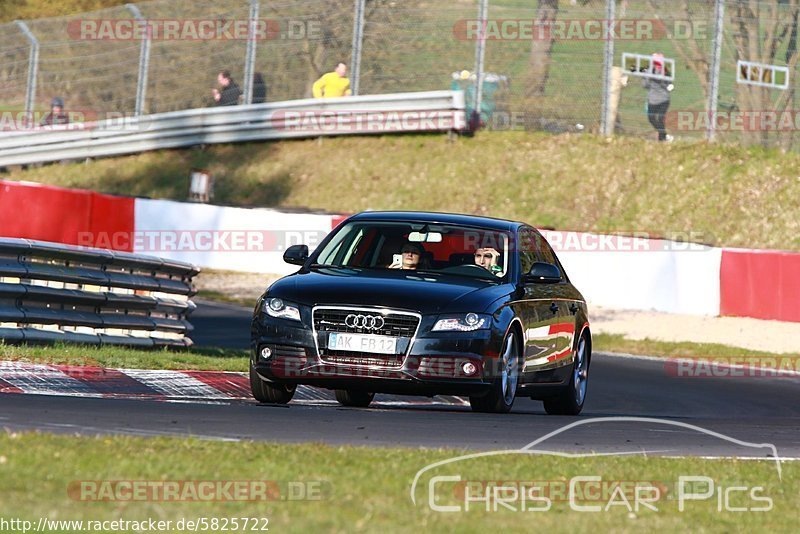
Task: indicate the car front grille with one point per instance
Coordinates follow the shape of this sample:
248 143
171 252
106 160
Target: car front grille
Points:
401 325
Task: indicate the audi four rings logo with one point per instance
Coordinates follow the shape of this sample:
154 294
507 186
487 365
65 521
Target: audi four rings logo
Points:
367 322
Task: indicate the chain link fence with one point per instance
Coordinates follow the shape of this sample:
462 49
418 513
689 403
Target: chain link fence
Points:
553 65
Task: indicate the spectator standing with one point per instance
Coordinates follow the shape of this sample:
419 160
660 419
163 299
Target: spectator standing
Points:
333 84
228 93
658 96
259 89
57 114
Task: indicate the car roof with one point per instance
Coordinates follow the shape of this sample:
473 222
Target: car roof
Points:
440 218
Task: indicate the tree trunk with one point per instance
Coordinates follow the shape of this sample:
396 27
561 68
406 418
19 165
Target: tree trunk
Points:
541 49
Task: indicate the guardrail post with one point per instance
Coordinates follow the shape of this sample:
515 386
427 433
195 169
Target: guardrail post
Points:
144 61
33 67
358 40
480 54
716 54
250 54
606 120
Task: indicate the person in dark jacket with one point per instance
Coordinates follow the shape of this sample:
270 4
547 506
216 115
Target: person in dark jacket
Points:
57 114
658 93
228 94
259 89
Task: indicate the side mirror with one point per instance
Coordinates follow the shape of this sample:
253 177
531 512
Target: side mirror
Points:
296 254
543 273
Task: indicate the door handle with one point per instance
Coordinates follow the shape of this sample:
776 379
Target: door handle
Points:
554 307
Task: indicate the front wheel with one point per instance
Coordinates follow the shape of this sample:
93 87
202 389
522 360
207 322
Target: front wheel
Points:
264 391
570 400
500 398
354 398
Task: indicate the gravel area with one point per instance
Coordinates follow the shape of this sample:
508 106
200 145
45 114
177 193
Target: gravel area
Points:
755 334
743 332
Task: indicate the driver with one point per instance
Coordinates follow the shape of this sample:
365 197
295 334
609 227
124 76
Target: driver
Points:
487 258
411 253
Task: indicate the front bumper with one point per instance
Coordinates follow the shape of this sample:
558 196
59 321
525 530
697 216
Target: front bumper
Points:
434 363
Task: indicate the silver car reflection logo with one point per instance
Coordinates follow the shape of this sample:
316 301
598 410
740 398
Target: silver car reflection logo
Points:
366 322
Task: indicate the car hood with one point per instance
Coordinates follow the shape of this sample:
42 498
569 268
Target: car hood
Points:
407 290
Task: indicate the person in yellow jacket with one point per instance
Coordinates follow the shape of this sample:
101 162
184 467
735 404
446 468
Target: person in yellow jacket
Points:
332 84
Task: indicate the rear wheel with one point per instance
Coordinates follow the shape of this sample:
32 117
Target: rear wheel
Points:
500 398
264 391
354 398
570 400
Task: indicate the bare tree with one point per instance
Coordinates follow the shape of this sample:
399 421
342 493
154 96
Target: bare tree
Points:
761 27
541 49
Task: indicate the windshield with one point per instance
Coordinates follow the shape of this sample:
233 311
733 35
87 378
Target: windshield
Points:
432 248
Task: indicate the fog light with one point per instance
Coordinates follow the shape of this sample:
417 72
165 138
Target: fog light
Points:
266 353
469 368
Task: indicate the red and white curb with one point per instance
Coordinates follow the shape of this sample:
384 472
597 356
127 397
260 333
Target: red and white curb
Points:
176 386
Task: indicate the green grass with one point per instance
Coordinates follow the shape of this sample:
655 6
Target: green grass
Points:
124 358
727 195
668 349
363 489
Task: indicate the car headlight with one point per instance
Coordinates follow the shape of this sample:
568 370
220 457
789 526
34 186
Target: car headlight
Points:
275 307
468 322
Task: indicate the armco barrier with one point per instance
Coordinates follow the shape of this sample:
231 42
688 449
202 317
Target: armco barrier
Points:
430 111
51 292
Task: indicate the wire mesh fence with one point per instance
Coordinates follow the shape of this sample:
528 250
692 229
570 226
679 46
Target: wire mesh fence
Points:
552 65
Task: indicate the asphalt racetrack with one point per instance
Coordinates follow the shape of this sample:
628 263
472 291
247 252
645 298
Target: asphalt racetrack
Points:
634 405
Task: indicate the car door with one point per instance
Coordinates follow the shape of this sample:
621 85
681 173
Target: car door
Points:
549 326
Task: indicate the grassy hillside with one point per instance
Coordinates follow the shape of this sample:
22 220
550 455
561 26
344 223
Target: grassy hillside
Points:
731 195
34 9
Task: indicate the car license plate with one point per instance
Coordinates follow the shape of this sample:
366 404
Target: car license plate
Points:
362 343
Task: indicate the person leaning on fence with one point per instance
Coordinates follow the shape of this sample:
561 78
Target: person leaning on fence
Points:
658 93
228 94
259 89
333 84
57 114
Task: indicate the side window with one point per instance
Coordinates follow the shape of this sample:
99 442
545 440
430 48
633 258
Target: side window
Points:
545 252
527 249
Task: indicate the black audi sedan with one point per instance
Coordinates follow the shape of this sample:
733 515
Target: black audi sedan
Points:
425 304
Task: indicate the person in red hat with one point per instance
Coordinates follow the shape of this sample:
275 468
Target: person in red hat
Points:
658 96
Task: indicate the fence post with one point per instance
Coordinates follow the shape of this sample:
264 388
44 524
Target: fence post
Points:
606 120
480 55
33 68
716 54
144 60
250 54
358 41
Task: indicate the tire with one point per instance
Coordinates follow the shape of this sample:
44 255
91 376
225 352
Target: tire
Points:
354 398
570 400
501 397
269 392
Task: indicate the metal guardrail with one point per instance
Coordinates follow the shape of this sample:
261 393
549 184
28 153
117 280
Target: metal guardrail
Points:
432 111
51 292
